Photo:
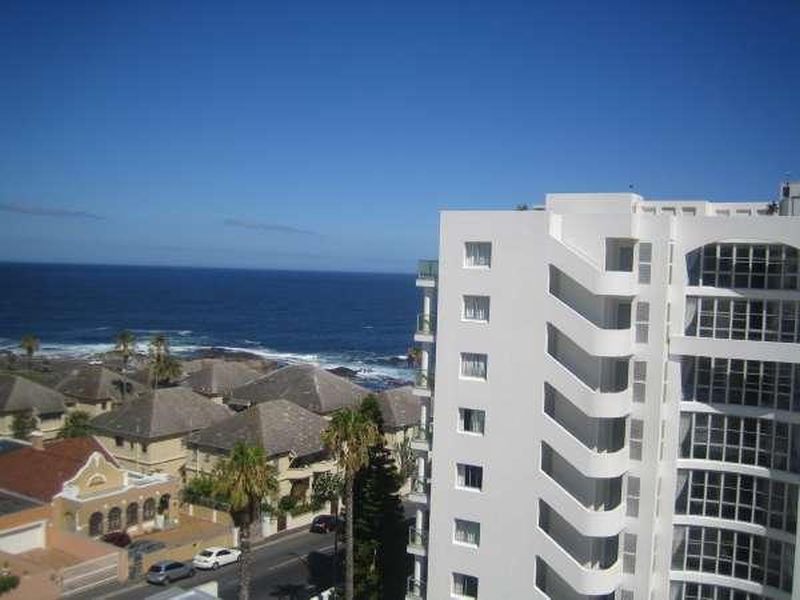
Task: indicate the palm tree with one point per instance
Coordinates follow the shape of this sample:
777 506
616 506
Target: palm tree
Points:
29 343
349 436
125 346
158 350
246 479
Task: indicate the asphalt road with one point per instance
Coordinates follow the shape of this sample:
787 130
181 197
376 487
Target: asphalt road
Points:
289 568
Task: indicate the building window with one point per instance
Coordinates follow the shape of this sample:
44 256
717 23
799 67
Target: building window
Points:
685 590
634 491
746 382
478 255
132 514
473 365
465 586
642 322
467 532
639 380
629 553
740 440
469 477
735 497
755 266
96 524
753 320
471 420
119 442
149 509
645 261
733 554
636 437
476 308
115 519
144 448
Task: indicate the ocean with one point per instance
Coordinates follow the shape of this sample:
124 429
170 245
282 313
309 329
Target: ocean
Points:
360 321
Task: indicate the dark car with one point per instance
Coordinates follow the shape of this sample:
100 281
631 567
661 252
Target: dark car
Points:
326 524
166 571
118 538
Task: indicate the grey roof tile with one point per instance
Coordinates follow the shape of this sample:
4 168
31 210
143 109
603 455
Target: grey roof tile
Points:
308 386
19 394
164 413
400 408
277 426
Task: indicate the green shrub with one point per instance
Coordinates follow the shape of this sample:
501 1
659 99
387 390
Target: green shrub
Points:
8 583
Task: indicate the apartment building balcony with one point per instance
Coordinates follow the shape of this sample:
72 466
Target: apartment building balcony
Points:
420 489
427 273
422 438
423 383
591 579
586 271
593 339
417 541
415 589
588 461
598 403
426 328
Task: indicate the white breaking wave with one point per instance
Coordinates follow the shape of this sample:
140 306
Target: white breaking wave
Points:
364 366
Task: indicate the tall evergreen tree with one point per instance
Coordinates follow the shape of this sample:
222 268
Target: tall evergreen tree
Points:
379 524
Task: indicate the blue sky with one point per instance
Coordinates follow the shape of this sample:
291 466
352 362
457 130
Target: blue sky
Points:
328 135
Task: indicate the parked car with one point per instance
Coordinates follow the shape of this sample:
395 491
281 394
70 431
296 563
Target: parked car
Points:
118 538
215 557
145 547
167 571
326 524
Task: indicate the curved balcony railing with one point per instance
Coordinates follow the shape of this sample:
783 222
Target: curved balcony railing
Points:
415 589
418 538
420 487
423 437
426 324
424 380
590 463
428 269
584 580
594 403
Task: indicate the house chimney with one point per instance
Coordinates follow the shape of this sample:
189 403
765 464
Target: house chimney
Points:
36 438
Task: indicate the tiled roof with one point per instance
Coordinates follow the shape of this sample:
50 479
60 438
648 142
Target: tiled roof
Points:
164 413
213 376
18 394
308 386
278 426
400 408
40 474
97 383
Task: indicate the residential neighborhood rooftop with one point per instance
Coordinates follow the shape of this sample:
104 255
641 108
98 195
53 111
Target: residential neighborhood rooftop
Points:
97 383
18 394
213 376
162 413
11 503
41 473
278 426
400 408
309 386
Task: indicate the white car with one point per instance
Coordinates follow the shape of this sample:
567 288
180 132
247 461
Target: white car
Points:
215 557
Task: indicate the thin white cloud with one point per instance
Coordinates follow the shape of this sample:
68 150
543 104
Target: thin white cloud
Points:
41 211
273 227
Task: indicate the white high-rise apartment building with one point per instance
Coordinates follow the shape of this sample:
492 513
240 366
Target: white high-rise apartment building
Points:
616 408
